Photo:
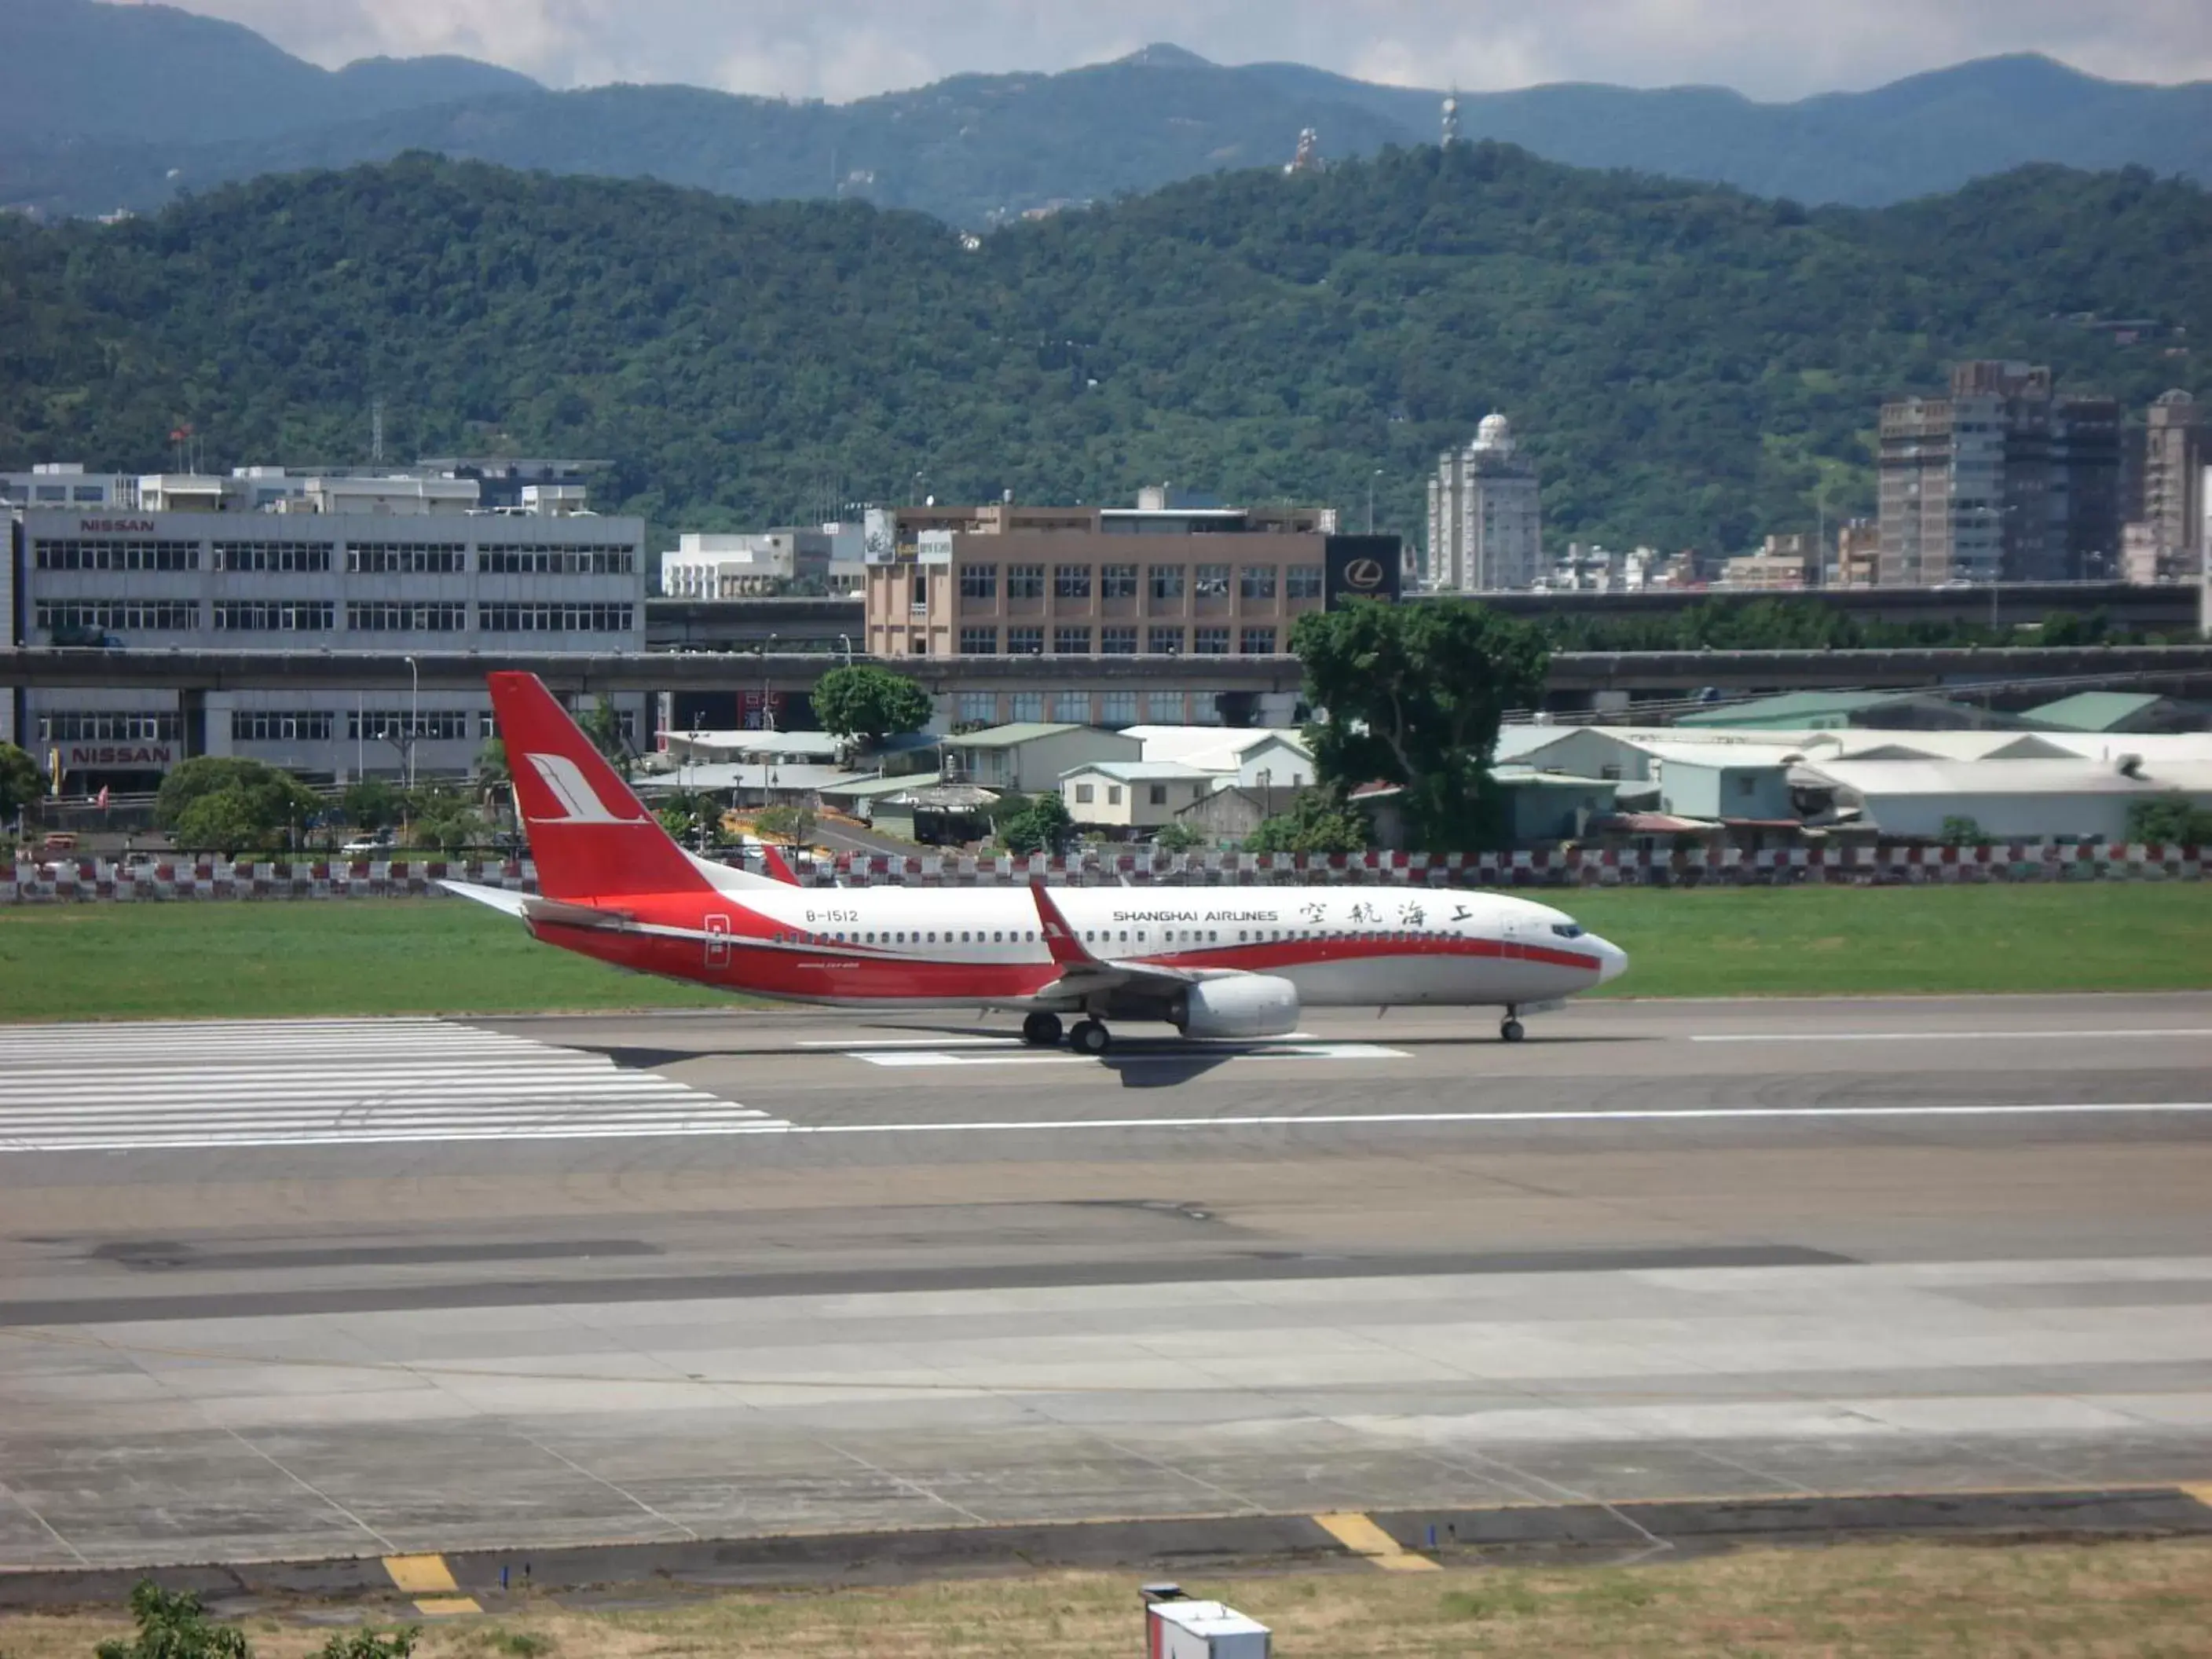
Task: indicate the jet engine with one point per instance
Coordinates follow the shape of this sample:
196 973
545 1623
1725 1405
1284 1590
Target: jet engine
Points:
1246 1005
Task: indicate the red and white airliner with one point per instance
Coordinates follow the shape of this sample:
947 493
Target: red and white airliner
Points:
1212 962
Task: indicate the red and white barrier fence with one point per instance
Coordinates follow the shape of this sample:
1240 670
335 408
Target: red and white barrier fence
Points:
2019 862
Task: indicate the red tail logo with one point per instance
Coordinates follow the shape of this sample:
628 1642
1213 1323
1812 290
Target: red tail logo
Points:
589 835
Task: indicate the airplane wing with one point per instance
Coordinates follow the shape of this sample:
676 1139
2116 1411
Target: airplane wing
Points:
1082 972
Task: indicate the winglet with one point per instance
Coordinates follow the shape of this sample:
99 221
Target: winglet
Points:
1067 950
774 866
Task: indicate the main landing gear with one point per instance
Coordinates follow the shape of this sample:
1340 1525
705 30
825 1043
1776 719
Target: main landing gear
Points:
1041 1031
1090 1037
1511 1030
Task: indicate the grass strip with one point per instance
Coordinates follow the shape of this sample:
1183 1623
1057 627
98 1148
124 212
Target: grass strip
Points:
217 959
1901 1598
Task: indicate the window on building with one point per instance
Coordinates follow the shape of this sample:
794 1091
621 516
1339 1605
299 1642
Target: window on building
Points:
1256 642
444 616
1167 584
1071 581
979 581
1026 641
979 642
109 725
1024 581
281 725
1209 641
555 618
556 561
1209 581
979 706
1113 794
74 555
1156 794
407 558
1083 795
1302 581
276 615
157 615
1027 705
1117 641
1072 641
1073 707
93 494
1164 642
1164 707
425 726
1258 582
1117 708
274 555
1745 784
1117 581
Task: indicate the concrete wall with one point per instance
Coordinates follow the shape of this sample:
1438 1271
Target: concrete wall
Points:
1693 791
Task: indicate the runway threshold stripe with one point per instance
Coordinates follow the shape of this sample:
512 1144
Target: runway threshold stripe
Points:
1942 1036
1335 1120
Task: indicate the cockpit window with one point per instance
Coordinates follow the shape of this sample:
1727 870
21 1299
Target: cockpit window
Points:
1568 929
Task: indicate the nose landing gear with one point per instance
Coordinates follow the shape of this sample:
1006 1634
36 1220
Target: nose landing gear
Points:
1511 1030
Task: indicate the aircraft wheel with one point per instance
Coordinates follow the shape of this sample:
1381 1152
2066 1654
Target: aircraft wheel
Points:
1090 1037
1040 1030
1512 1030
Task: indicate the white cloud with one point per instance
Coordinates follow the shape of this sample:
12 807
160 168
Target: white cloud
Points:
842 49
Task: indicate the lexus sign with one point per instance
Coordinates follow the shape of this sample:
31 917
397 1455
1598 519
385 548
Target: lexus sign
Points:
1360 567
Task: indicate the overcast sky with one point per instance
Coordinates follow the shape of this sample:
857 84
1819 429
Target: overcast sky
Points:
844 49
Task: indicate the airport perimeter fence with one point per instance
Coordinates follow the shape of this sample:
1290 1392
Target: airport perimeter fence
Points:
84 880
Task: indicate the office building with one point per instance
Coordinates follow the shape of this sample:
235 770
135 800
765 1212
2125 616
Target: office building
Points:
1486 519
1858 555
2001 481
1787 563
1153 580
66 483
2165 542
748 565
389 579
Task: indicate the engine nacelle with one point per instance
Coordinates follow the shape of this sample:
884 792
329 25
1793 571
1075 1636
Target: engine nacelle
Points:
1246 1005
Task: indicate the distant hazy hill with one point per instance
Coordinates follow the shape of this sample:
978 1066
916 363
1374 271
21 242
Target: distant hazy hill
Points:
76 70
1689 365
112 101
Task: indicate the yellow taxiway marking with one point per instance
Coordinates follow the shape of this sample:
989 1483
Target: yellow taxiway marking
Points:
1363 1537
430 1582
2199 1490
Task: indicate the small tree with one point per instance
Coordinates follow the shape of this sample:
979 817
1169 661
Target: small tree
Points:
1314 825
2170 820
790 824
604 727
371 1645
1959 832
230 803
492 771
1177 836
371 804
20 782
869 703
1040 824
174 1627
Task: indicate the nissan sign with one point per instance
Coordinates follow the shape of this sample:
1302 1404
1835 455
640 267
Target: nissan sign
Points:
124 757
1360 567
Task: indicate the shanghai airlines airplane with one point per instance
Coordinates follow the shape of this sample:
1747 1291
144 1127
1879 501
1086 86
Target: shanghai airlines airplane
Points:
1212 962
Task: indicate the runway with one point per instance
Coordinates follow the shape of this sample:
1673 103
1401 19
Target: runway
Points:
308 1289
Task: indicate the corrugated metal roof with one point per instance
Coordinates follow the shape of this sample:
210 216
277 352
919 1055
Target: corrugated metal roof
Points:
1016 731
2093 711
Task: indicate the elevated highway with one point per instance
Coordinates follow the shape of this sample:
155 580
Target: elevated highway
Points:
1575 678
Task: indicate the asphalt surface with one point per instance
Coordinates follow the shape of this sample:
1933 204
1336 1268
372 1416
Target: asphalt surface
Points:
373 1288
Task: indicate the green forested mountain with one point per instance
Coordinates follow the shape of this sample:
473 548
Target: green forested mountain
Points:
1687 363
130 105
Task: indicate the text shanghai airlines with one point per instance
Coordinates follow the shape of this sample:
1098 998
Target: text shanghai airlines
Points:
1212 962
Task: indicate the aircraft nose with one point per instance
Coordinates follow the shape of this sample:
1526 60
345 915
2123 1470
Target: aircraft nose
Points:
1611 960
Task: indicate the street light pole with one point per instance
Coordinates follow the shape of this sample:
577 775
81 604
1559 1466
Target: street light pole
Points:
414 718
1372 478
846 639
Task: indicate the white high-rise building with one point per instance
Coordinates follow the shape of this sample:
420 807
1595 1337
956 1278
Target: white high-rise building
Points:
1486 520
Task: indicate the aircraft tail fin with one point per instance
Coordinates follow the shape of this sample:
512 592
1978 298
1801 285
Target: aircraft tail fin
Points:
590 835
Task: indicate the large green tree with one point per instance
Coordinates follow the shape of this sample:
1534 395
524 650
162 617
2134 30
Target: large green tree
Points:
230 804
1314 823
1413 695
869 703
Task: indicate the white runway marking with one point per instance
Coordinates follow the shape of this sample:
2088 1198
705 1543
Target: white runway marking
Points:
1339 1120
925 1057
327 1083
1941 1036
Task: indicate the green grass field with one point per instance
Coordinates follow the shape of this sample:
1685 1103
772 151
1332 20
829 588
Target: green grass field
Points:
207 959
